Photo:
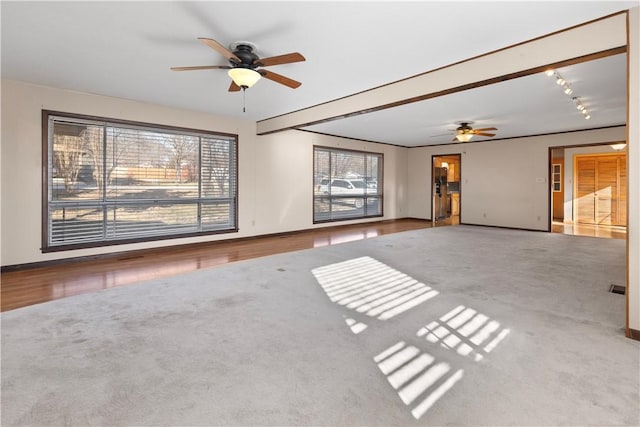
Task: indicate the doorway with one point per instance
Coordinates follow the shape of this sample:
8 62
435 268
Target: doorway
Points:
588 191
446 189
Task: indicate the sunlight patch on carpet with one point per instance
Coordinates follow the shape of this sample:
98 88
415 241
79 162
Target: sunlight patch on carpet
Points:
418 378
466 331
371 287
355 326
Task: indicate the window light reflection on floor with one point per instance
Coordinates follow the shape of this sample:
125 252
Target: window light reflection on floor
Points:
355 326
371 287
418 378
465 331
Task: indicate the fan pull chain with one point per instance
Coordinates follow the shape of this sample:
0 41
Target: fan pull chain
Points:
243 100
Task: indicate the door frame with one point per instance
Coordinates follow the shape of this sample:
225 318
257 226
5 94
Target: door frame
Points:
431 184
550 161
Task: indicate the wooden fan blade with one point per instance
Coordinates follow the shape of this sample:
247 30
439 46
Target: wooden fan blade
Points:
233 87
483 129
280 59
201 67
484 134
220 49
278 78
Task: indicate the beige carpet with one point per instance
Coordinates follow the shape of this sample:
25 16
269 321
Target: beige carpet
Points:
447 326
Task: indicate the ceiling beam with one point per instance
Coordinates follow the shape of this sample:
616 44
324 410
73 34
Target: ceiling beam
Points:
595 39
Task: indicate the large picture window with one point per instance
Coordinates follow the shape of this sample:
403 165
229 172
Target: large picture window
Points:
347 184
109 182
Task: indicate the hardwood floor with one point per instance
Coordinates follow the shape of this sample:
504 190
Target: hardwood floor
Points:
36 285
606 231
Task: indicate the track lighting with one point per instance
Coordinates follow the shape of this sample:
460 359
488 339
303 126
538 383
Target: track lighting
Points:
566 86
576 100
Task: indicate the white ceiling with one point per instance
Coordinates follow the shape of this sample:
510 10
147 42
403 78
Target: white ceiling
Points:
125 49
528 105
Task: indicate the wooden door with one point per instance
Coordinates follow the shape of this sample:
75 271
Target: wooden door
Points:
622 197
585 187
606 194
600 189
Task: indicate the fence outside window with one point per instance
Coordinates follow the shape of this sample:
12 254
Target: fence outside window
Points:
111 182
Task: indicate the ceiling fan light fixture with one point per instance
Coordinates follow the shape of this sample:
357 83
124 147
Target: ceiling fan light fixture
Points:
464 137
244 77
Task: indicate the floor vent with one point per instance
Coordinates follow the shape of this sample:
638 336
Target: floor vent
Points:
617 289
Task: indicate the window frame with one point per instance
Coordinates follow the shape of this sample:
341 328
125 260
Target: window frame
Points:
46 247
556 177
380 185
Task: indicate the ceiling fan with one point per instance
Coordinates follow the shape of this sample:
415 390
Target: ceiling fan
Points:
465 132
244 64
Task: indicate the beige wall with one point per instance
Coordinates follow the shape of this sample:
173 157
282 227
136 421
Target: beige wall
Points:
272 197
504 183
283 177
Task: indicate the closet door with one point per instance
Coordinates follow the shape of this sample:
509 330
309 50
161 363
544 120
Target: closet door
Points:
585 189
600 189
622 198
606 194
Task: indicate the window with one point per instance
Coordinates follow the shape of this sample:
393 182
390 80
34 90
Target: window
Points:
347 184
112 182
556 177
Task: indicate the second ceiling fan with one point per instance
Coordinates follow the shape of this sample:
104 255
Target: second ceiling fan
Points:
244 64
465 132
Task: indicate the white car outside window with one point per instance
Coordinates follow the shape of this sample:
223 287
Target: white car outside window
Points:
340 186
